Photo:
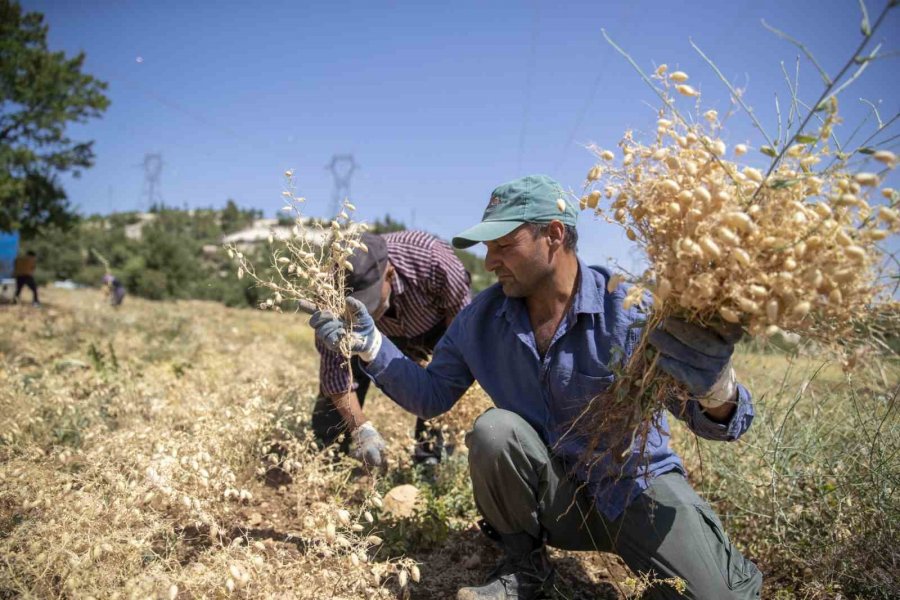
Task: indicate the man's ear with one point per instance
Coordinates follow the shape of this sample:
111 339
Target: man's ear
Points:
556 233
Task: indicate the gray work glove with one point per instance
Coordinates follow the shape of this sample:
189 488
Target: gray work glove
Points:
699 357
365 339
368 445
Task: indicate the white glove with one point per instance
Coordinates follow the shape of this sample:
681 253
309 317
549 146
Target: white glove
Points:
723 391
368 445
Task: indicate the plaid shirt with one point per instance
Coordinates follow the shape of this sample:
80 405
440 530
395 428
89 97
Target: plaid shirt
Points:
429 285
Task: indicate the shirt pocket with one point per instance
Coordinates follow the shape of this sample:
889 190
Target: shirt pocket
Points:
576 394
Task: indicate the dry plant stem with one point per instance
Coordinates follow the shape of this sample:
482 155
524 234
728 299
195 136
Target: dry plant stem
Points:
735 95
827 94
825 78
868 140
628 408
874 111
103 260
666 100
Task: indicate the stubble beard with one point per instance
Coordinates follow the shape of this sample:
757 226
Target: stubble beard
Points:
514 288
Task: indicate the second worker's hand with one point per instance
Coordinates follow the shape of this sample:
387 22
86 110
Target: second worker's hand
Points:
365 339
368 446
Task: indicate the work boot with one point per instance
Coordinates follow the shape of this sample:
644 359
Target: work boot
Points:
523 574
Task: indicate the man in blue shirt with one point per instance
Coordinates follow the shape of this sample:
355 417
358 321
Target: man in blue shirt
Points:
540 343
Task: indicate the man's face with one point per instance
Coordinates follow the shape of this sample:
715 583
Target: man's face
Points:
520 260
385 292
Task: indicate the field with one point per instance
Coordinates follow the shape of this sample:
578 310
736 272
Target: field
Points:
161 451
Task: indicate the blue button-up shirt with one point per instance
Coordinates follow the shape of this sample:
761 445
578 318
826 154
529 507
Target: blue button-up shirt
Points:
492 341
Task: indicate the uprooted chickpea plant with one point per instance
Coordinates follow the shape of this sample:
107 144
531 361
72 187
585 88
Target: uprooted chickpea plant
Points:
793 251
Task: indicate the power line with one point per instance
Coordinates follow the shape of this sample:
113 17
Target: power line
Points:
588 102
726 33
191 113
532 62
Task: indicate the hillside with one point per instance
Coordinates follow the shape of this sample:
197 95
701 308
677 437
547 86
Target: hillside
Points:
178 254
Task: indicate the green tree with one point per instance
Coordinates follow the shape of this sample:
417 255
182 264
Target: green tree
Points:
172 268
41 92
387 225
235 218
481 278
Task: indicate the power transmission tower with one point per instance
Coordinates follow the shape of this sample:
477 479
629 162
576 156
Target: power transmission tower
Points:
341 167
151 195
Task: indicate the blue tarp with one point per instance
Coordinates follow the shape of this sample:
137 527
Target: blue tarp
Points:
9 249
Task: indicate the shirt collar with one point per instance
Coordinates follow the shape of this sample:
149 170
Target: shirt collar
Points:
588 296
397 285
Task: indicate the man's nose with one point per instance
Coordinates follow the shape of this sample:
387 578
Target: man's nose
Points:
490 260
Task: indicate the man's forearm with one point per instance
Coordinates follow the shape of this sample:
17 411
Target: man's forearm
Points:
348 407
723 412
727 421
720 403
423 392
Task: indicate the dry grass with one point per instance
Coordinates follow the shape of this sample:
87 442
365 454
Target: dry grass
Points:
810 493
160 451
135 450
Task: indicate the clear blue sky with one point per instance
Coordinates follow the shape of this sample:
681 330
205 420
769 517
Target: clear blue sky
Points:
439 102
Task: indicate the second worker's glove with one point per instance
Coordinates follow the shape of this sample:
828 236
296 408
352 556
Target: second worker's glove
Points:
368 445
365 339
699 357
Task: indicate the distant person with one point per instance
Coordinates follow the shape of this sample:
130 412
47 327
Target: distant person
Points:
24 271
413 285
114 289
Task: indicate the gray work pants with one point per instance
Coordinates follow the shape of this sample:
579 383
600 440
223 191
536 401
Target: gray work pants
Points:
668 530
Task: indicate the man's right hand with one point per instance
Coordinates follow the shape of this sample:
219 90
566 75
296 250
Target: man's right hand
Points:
368 445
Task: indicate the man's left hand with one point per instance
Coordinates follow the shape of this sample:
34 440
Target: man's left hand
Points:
699 357
365 339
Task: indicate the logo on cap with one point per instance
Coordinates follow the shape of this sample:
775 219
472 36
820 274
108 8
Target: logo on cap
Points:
494 201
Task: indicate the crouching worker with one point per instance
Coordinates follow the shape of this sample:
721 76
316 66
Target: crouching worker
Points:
114 289
540 342
412 285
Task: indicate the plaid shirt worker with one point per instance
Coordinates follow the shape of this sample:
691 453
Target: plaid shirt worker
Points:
430 285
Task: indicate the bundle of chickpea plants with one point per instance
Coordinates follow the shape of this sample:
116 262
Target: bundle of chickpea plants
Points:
792 251
310 264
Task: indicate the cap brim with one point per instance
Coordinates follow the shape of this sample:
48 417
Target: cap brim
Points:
485 231
370 297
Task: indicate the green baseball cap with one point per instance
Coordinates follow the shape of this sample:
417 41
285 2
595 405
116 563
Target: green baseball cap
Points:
531 199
